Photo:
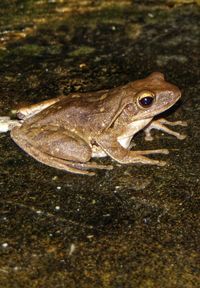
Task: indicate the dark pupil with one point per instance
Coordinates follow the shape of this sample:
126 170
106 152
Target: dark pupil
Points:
146 101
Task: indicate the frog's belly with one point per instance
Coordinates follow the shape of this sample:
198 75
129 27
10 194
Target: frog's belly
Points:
98 151
125 141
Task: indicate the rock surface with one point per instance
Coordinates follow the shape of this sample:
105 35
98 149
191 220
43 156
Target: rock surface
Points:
134 226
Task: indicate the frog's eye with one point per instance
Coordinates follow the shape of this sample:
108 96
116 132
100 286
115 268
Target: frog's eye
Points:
146 99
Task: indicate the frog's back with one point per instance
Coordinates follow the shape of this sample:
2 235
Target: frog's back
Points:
81 112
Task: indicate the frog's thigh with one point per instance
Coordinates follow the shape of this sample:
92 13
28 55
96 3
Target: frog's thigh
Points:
66 145
49 157
58 143
51 160
69 146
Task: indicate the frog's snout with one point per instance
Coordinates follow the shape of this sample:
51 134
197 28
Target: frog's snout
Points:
178 93
175 93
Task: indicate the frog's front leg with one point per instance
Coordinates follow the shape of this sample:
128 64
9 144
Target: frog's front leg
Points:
113 148
160 125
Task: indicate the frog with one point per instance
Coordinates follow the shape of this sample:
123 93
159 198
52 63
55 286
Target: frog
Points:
68 132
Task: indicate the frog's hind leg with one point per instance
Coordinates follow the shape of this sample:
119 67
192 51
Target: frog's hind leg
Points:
73 167
90 165
58 163
54 150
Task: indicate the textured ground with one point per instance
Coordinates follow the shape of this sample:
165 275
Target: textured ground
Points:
135 226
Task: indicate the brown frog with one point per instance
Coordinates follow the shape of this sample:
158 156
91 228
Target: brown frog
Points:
67 131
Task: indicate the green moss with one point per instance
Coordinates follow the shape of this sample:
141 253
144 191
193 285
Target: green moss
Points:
82 50
30 49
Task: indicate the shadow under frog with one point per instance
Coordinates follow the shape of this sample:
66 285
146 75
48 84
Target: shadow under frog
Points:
67 131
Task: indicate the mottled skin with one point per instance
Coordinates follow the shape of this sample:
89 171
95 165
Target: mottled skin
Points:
66 132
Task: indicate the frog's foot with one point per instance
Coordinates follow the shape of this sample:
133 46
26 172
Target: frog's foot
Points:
140 158
76 167
148 152
160 125
91 165
6 124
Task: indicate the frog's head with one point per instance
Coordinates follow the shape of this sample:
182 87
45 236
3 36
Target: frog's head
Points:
151 96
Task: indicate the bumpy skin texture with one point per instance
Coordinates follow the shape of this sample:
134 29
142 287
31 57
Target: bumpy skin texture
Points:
66 132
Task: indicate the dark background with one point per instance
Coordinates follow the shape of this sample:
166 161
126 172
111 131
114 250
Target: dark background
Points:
134 226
